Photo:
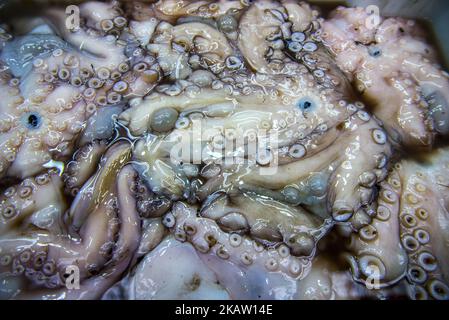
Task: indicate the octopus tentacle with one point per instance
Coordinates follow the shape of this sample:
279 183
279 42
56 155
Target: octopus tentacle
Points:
238 253
376 247
83 166
409 79
174 9
208 42
127 243
152 234
99 254
397 244
346 178
226 135
256 24
161 176
34 202
247 213
49 106
104 53
423 205
97 190
173 43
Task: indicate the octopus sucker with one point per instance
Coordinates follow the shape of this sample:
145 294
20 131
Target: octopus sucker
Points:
223 149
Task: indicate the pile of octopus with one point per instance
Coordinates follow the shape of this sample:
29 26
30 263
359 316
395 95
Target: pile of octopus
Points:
314 163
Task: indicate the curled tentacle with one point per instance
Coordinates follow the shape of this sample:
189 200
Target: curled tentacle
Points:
107 240
97 190
83 166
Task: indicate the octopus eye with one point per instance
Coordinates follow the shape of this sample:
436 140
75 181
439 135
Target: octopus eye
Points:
306 104
374 52
32 120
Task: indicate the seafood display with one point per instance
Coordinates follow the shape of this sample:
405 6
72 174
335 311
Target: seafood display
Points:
221 150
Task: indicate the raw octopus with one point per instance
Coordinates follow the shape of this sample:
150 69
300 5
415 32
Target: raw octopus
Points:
221 150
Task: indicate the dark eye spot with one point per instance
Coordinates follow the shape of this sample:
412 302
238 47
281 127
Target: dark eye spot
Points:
306 104
374 52
32 120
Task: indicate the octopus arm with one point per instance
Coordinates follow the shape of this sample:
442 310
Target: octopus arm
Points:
300 14
409 78
378 253
160 174
232 255
153 232
137 118
94 12
175 9
266 220
100 256
213 47
359 169
83 166
99 187
34 202
128 241
424 232
101 51
410 115
361 135
256 24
